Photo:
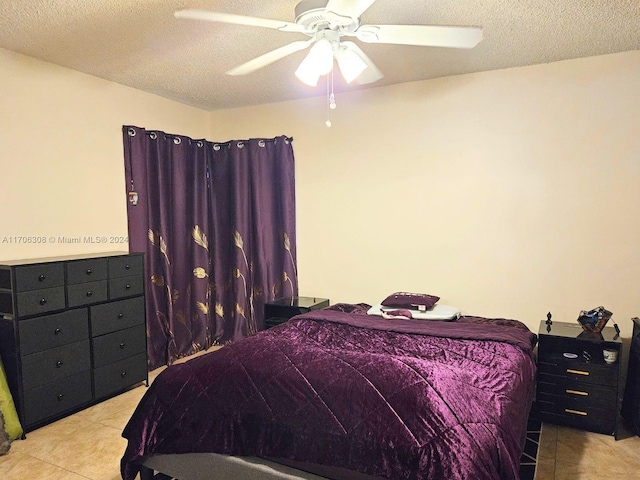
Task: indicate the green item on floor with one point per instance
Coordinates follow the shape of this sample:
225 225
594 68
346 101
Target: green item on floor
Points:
8 408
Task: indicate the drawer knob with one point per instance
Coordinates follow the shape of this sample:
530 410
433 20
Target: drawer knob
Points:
41 277
575 412
577 372
127 267
57 331
59 363
89 272
123 374
121 315
577 392
122 345
127 286
43 301
89 293
60 397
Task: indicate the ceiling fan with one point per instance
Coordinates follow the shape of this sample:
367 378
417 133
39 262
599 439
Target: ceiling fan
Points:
326 22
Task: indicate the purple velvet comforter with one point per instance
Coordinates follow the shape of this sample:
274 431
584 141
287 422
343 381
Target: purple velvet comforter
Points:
396 399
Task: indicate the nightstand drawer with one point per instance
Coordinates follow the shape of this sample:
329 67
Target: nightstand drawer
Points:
87 293
119 345
45 367
584 393
90 270
51 331
601 374
56 398
38 277
592 419
125 266
120 375
116 315
35 302
124 287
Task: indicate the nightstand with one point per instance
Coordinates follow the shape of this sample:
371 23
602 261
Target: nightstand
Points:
576 387
280 310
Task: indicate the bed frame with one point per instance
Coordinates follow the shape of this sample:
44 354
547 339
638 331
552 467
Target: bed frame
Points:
208 466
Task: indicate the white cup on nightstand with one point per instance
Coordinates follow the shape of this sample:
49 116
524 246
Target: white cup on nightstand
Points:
610 356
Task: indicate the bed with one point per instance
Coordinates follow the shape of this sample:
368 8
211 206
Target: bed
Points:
339 394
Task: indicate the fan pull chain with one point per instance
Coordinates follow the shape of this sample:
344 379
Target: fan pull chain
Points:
331 99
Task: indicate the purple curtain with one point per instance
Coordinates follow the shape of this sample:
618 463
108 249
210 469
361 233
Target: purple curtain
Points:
217 224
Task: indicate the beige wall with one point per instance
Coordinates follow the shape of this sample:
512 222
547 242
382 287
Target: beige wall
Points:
61 157
507 193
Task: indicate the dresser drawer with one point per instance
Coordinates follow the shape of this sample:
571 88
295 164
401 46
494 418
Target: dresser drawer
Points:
593 420
113 316
586 393
90 270
120 375
35 302
119 345
50 331
125 266
87 293
38 277
56 398
51 365
598 373
124 287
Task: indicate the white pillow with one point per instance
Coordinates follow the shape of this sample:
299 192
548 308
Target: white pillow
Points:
438 312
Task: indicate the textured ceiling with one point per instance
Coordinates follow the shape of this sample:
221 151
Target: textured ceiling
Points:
140 44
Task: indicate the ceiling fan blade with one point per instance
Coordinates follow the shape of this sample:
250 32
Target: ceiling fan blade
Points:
422 35
371 73
270 57
348 8
194 14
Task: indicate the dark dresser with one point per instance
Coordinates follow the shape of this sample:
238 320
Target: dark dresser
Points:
282 309
575 386
72 332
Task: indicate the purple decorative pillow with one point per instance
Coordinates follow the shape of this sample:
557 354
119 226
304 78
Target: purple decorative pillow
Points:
415 301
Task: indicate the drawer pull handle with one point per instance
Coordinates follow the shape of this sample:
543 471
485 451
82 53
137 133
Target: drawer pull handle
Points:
89 272
122 345
41 278
59 363
127 286
123 374
121 315
127 267
575 412
43 301
60 397
89 293
577 392
57 331
577 372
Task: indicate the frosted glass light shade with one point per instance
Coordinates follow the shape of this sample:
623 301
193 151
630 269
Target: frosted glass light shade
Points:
350 64
319 61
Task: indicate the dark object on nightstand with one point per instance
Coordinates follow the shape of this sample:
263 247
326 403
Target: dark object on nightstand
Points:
280 310
631 402
576 387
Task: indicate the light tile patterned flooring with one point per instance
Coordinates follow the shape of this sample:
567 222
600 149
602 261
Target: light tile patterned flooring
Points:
88 445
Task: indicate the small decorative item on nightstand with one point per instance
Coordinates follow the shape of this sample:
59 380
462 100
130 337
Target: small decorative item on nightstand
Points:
280 310
577 387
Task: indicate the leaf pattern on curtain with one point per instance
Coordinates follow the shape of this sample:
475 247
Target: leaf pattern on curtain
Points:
217 225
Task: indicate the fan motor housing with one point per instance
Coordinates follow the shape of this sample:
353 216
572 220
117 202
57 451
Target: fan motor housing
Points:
312 15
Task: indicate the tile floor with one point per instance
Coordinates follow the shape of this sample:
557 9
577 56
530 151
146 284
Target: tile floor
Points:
88 445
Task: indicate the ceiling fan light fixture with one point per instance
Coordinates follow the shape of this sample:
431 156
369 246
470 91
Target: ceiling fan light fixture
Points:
318 62
350 64
307 73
